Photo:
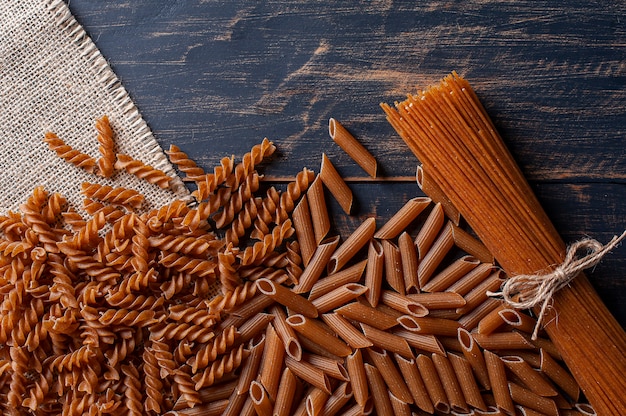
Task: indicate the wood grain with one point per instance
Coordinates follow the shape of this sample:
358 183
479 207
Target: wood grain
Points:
216 78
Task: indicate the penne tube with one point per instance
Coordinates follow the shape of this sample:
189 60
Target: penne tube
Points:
498 382
287 335
236 403
433 384
339 296
439 300
450 344
431 228
432 189
560 376
353 244
260 399
527 411
358 379
444 279
380 396
318 210
472 319
470 245
414 382
335 184
330 366
314 348
342 327
529 399
248 407
478 295
340 397
215 408
491 411
367 315
315 401
305 233
472 279
503 341
424 343
350 275
250 368
471 351
254 326
374 272
532 379
352 147
429 326
286 392
492 321
315 332
252 307
548 346
403 304
467 381
387 341
402 218
393 266
445 314
316 266
451 385
287 298
400 407
408 258
390 374
309 373
518 320
271 363
585 409
435 255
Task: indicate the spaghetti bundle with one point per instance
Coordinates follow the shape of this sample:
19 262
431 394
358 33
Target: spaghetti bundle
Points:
449 131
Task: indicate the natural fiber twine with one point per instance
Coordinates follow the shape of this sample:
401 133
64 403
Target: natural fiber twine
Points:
53 78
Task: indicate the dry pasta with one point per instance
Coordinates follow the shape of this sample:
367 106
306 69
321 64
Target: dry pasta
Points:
352 147
401 219
349 248
319 212
335 184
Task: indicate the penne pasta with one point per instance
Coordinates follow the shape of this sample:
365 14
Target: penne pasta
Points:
451 274
352 147
470 245
353 244
350 275
435 255
467 381
403 304
367 315
271 363
429 326
340 397
387 341
432 189
400 407
316 266
254 326
498 382
309 373
408 258
559 375
339 296
287 298
346 331
439 300
287 335
334 368
472 279
492 321
423 343
478 294
414 382
215 408
236 404
315 401
303 224
374 272
316 333
472 319
318 210
531 378
286 392
358 379
503 341
390 374
518 320
393 266
260 399
429 231
451 385
250 368
252 307
402 218
335 184
471 351
531 400
378 389
433 384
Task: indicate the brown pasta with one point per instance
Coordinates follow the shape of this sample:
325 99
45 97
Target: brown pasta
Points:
316 266
107 158
350 275
120 196
390 374
357 240
319 211
142 171
304 229
70 154
335 184
352 147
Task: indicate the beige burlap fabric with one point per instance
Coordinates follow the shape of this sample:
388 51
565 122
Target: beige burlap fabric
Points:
53 78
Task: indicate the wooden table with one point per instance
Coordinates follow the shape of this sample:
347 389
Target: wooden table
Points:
216 77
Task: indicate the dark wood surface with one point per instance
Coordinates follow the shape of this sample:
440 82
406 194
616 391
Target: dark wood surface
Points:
215 77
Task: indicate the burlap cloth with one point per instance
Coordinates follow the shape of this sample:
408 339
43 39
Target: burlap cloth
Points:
53 78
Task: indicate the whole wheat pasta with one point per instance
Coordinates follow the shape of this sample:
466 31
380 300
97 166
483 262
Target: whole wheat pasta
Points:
433 384
518 320
434 191
414 382
318 209
439 300
358 378
472 319
309 373
353 244
352 147
492 321
304 229
530 399
531 379
286 392
334 368
403 304
472 279
475 357
503 341
143 171
252 307
467 381
251 327
379 392
374 272
335 184
498 382
350 275
339 296
429 326
367 315
390 374
469 244
121 196
316 333
451 385
192 171
286 333
408 257
70 154
433 258
340 397
106 148
346 331
287 298
387 341
429 231
451 274
250 368
422 343
585 409
393 266
479 293
315 401
402 218
548 346
400 408
316 266
272 362
260 399
559 376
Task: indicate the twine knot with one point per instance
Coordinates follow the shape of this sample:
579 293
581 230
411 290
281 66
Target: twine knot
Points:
527 291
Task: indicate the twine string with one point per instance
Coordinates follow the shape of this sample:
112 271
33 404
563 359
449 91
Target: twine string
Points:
525 291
